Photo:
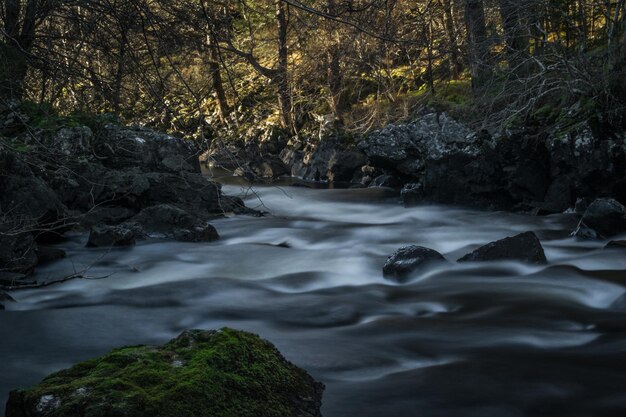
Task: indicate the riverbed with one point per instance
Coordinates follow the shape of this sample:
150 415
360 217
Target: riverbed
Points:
502 339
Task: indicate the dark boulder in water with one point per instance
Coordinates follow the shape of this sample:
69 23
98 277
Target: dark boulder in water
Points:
407 260
605 217
103 236
524 247
200 373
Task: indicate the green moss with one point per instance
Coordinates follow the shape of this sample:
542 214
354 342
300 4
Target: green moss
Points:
45 117
223 373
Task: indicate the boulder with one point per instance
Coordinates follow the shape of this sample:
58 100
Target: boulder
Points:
28 198
4 297
221 373
204 233
126 147
108 236
603 218
172 221
47 254
408 259
616 244
524 247
17 251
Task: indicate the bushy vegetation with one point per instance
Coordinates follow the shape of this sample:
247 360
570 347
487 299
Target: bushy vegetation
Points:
196 67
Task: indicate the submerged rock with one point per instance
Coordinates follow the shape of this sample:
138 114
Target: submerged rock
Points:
604 217
408 259
616 244
524 247
223 373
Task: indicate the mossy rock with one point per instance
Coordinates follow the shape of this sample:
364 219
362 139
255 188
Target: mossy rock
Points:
199 373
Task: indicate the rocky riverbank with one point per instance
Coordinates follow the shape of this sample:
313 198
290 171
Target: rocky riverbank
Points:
438 159
119 183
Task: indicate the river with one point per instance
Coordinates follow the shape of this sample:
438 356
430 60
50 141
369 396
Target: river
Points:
498 339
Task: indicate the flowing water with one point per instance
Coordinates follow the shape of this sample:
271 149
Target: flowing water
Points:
498 339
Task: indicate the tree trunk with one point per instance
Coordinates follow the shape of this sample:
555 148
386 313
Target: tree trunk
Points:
281 79
216 79
334 79
20 22
479 60
515 32
455 62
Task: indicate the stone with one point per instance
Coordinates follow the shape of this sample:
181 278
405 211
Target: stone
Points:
616 244
108 236
606 217
524 247
222 373
17 251
408 259
47 254
205 233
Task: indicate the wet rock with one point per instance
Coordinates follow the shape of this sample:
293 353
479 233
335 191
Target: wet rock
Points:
205 233
107 215
17 251
616 244
108 236
126 147
199 373
28 198
164 218
405 147
412 194
13 279
4 298
605 216
408 259
524 247
47 254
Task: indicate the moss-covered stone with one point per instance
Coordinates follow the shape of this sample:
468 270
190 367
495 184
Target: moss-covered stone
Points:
199 373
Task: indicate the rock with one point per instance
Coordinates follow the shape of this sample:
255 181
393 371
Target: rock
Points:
172 221
406 260
405 147
108 236
107 215
72 141
206 233
198 374
592 161
385 180
164 218
4 297
558 197
125 147
13 279
17 251
524 247
29 199
605 216
616 244
47 254
412 194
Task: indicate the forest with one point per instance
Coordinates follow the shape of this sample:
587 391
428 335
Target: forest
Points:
297 208
193 66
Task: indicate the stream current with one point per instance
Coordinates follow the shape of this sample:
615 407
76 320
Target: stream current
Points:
501 339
